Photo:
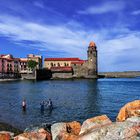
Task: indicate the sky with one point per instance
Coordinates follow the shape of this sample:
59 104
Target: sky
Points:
64 28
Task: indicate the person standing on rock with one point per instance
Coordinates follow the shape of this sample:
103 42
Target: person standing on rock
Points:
24 105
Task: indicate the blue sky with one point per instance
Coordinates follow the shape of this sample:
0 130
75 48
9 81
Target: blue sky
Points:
64 28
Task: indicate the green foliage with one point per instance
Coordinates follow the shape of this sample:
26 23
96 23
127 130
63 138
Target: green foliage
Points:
32 64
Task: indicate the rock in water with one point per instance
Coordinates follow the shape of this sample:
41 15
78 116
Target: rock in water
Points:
129 110
5 135
73 128
56 129
65 131
128 130
95 123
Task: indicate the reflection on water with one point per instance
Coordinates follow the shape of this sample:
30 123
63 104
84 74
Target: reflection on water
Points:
72 99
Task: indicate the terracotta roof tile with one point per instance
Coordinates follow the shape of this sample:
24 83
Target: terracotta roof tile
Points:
62 59
78 62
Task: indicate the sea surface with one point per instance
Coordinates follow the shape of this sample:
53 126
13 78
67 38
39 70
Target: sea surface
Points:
72 99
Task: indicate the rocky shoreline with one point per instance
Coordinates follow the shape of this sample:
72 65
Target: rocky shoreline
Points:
7 127
126 127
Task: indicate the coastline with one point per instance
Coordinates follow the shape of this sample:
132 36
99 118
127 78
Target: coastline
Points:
8 80
126 127
10 128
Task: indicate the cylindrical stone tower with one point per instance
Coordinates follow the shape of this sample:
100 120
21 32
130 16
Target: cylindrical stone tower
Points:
92 60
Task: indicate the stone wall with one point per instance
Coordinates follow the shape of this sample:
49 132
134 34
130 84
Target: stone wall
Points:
119 74
29 76
82 71
63 75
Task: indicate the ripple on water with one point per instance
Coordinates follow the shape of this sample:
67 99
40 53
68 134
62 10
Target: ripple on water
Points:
73 99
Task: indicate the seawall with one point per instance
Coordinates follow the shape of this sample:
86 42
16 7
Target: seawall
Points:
127 74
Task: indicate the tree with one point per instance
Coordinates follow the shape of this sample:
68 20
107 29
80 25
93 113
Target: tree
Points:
32 64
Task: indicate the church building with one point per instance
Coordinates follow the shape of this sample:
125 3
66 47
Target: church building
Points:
74 67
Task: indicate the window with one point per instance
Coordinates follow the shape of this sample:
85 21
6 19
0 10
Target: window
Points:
58 64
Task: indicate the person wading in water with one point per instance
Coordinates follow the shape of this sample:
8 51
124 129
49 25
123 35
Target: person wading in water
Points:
24 105
42 106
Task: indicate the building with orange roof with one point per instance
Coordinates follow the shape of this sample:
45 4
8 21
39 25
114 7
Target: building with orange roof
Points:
24 63
74 67
9 66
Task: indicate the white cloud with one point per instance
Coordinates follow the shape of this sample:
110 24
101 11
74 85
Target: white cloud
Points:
104 8
115 53
137 12
50 37
74 41
39 4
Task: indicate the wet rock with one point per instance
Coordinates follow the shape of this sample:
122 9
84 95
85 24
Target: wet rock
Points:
129 110
95 123
65 131
39 134
5 135
128 130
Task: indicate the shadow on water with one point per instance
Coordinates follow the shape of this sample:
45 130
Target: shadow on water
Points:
93 98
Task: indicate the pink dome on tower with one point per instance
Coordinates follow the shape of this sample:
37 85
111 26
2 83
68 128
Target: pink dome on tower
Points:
92 44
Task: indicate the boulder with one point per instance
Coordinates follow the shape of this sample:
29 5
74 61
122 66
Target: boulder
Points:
33 128
129 110
65 131
5 135
95 123
73 128
57 128
41 134
128 130
66 136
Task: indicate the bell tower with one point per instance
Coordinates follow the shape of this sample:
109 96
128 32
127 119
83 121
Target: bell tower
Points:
92 59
